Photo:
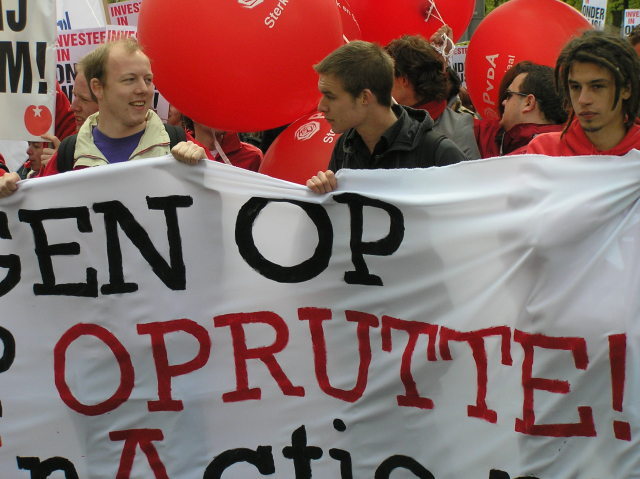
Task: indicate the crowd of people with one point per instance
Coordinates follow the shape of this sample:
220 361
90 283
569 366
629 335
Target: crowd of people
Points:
397 106
587 105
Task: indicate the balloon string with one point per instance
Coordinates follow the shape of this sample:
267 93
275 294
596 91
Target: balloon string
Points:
430 12
220 152
446 48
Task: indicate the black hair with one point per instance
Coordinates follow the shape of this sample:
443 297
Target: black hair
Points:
540 83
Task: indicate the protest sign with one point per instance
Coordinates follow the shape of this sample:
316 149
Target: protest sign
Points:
458 60
125 13
596 12
78 14
27 69
630 21
474 321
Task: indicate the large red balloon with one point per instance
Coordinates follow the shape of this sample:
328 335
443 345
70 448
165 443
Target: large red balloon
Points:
239 65
533 30
383 20
301 150
350 27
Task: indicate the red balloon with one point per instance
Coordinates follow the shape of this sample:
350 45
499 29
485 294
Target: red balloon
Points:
350 26
384 20
239 65
533 30
301 150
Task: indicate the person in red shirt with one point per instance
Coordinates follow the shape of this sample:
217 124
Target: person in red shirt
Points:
65 124
529 105
600 75
224 146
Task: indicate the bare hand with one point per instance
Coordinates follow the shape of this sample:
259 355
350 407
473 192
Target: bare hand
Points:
442 39
323 182
47 153
8 184
188 152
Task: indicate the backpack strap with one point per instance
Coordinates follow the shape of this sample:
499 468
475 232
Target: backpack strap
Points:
176 134
66 151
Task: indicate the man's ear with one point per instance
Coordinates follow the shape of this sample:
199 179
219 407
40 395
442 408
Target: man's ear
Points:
96 88
529 104
367 97
625 93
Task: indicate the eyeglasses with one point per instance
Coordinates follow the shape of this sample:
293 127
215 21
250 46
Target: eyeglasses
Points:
509 93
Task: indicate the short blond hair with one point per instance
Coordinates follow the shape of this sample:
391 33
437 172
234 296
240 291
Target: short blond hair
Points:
94 63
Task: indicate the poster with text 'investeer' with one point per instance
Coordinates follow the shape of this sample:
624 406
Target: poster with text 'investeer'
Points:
125 13
474 321
27 69
630 21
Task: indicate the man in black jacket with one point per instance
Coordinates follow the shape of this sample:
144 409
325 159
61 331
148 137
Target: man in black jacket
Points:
356 81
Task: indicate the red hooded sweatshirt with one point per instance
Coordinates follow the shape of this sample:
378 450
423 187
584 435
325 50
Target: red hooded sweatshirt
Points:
575 143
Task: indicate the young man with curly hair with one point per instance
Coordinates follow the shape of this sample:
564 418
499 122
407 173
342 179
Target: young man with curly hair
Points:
599 75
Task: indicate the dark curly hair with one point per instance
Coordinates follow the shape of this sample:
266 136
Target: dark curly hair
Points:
607 51
416 59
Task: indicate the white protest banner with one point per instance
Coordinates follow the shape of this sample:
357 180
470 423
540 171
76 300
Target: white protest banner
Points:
595 11
125 13
630 21
72 45
458 59
27 69
474 321
78 14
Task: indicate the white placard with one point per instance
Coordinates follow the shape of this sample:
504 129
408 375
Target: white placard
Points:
79 14
595 11
125 13
458 61
630 21
27 69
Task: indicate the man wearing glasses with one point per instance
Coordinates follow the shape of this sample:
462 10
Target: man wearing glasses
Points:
530 106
